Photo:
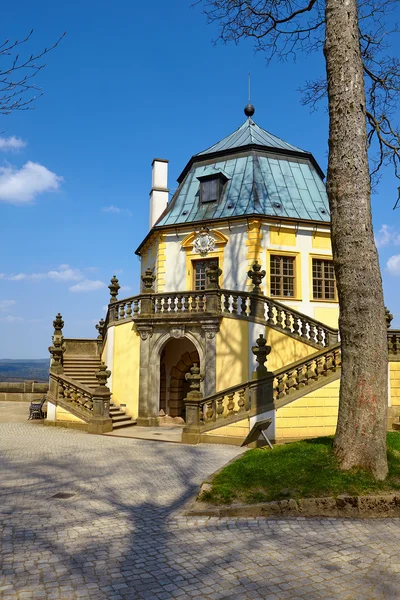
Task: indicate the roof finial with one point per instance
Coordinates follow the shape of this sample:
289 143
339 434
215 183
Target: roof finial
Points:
249 108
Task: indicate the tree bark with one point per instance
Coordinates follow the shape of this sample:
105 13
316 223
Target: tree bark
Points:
360 439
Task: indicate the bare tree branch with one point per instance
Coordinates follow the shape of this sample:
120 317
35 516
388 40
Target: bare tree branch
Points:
17 91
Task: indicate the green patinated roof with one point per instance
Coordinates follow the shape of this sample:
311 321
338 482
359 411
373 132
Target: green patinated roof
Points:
249 134
265 176
257 185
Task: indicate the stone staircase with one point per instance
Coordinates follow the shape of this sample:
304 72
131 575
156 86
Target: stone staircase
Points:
82 369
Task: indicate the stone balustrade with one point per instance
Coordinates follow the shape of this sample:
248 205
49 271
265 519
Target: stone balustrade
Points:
304 373
180 302
394 342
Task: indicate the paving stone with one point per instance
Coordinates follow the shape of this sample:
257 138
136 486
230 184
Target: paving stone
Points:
122 536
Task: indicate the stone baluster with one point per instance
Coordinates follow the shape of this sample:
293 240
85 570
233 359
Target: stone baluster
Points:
158 304
121 314
136 307
279 317
129 309
303 323
291 381
200 303
234 304
300 376
296 325
281 385
241 399
185 303
310 372
320 336
179 303
243 305
231 404
220 407
288 321
210 410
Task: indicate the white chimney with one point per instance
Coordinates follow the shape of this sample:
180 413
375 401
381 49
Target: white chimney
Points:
159 189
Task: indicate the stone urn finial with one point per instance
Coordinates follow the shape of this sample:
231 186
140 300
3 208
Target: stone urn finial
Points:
213 273
58 324
148 279
194 377
114 288
256 276
102 375
261 351
100 329
388 317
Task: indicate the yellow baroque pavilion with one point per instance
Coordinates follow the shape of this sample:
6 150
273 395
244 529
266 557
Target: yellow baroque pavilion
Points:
236 272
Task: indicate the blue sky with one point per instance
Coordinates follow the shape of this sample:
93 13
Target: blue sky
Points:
130 81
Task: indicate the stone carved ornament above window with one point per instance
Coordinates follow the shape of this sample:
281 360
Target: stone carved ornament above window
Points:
204 241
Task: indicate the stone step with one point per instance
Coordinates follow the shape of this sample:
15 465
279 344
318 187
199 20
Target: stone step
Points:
121 424
120 418
396 426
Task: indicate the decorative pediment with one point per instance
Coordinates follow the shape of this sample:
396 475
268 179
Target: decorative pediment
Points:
204 241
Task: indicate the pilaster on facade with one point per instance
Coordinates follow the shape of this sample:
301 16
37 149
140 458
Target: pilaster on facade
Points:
161 259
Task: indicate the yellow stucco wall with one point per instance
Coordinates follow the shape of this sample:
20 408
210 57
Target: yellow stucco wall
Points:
232 348
64 415
312 415
239 429
328 316
285 350
322 240
126 367
282 236
395 383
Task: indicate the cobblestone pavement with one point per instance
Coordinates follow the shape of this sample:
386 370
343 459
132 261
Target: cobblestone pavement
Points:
120 535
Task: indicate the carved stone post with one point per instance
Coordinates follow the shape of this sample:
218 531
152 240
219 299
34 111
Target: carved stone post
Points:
57 349
388 317
146 299
261 394
114 288
256 275
261 351
210 357
101 421
213 273
100 337
148 413
191 432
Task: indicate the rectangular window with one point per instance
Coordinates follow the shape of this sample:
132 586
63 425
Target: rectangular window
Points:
323 273
282 276
199 272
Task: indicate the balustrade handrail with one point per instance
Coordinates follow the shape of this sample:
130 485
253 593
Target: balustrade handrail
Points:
237 388
73 383
305 359
300 315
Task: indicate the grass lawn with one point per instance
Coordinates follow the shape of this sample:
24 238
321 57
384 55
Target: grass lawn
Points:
301 469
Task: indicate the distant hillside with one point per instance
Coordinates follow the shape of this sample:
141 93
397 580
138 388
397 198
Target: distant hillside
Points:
21 370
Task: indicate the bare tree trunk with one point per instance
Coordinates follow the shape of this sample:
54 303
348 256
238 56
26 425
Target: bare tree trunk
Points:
361 431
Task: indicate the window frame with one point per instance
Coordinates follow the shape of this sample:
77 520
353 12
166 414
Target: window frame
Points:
324 258
296 269
209 260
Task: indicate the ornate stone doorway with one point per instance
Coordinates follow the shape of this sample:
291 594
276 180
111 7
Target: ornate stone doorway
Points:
177 358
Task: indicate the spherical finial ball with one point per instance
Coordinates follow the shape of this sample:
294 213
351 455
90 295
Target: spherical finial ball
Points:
249 110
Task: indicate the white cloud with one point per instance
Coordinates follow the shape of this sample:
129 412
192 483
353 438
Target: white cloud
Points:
5 305
11 319
387 236
87 285
12 143
111 209
393 265
21 186
116 210
62 273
